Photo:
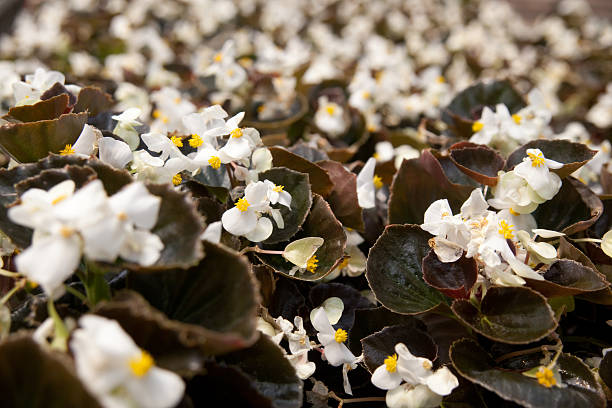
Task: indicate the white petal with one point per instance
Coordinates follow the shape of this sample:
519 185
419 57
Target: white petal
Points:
140 206
384 379
263 229
337 354
300 251
418 397
86 142
237 222
320 322
114 152
237 148
544 233
142 247
212 233
442 382
159 388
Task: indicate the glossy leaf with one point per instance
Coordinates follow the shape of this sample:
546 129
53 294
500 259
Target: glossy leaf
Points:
394 270
454 279
574 208
219 294
417 184
572 155
43 110
566 278
380 345
93 100
582 390
296 184
514 315
320 222
29 142
319 179
343 197
479 162
32 377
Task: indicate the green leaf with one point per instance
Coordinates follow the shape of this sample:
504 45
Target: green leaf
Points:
93 100
572 155
574 208
565 277
320 222
174 345
29 142
467 105
378 346
417 184
220 294
297 185
32 377
48 109
259 377
514 315
343 197
476 365
394 270
478 162
320 181
454 279
368 321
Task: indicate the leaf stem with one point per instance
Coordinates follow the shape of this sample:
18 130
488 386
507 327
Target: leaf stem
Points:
60 337
342 401
16 288
260 251
77 294
528 351
9 274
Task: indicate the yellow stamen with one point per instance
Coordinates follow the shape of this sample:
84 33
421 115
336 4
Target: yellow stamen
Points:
242 204
312 264
165 119
215 162
366 95
536 160
431 242
67 150
177 179
177 141
427 365
330 109
376 156
440 79
66 232
236 133
340 336
517 118
177 100
218 57
157 114
477 126
513 212
261 108
344 263
142 364
391 363
58 199
377 182
546 377
445 214
278 188
196 140
505 229
122 216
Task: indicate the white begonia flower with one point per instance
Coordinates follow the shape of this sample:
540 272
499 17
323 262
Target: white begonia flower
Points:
544 233
512 192
205 126
277 194
524 222
158 143
333 308
335 351
261 160
329 117
405 152
452 234
114 369
384 151
126 122
228 74
301 253
114 152
268 329
540 251
366 185
171 108
245 218
406 396
30 91
606 243
535 170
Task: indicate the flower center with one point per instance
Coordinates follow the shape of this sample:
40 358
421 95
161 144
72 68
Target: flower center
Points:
330 109
546 377
536 160
517 118
122 216
477 126
58 199
196 140
142 364
278 189
312 263
177 141
505 229
440 79
340 336
377 181
218 57
242 204
66 232
215 162
344 263
427 365
236 133
391 363
177 179
366 95
67 150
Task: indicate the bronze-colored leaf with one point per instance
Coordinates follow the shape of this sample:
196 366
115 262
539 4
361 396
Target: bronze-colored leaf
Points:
44 110
319 179
566 278
479 162
343 198
454 279
93 100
